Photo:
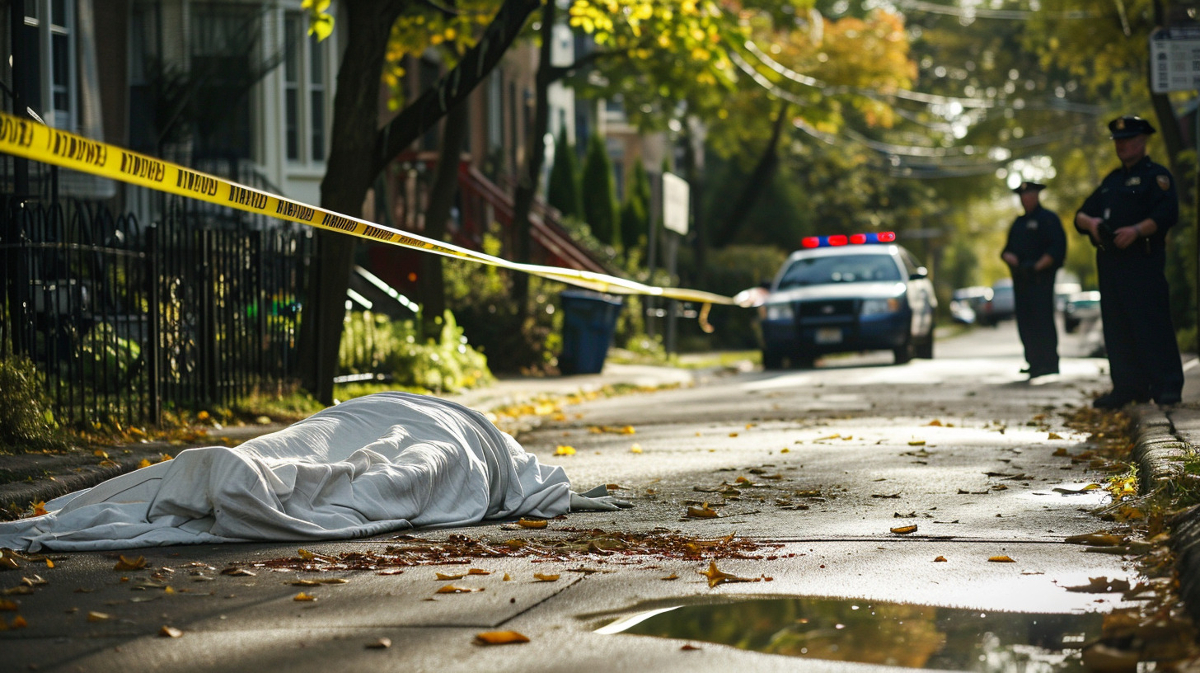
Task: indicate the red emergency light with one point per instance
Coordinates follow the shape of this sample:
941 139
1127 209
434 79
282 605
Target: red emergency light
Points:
853 239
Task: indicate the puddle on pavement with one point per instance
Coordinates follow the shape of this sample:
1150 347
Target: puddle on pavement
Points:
876 632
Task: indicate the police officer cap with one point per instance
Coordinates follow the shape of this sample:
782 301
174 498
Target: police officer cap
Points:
1128 127
1028 187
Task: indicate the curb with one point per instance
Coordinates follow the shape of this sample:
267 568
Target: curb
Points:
1159 452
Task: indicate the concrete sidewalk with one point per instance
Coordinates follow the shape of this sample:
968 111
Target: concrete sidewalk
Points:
34 477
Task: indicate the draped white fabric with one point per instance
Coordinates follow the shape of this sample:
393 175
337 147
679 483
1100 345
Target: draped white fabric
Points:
368 466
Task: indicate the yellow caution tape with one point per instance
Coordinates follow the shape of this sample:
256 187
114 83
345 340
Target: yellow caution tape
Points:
31 140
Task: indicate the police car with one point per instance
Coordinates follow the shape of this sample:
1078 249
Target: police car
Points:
848 293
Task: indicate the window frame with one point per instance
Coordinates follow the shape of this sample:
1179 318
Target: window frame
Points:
307 96
40 15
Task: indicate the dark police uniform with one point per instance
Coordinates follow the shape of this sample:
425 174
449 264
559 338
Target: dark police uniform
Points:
1031 236
1143 355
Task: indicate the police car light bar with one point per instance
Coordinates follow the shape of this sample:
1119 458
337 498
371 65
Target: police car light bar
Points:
853 239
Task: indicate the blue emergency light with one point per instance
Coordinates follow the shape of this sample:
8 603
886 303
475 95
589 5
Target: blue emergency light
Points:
853 239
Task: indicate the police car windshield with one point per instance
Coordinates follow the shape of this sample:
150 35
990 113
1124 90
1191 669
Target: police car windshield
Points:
839 269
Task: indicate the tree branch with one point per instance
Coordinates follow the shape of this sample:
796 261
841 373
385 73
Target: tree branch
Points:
456 85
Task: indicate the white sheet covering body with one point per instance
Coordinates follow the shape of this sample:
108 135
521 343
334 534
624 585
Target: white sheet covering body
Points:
367 466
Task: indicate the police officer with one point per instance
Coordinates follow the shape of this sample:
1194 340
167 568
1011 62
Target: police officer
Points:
1127 219
1036 248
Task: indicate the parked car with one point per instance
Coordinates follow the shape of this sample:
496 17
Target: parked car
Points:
848 293
1080 306
1001 306
965 303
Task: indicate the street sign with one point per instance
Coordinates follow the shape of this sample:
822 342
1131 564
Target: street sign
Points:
676 203
1175 59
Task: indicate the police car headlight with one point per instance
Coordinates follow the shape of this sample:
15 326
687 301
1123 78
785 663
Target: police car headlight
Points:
779 311
877 306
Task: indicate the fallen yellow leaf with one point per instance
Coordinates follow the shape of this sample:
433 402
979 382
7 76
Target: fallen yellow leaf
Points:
169 632
545 578
935 423
1000 559
785 450
532 523
940 559
39 508
130 564
564 450
905 530
733 434
100 453
97 616
446 577
7 605
145 462
500 638
627 430
704 512
916 442
381 644
506 578
715 576
451 589
1054 435
304 597
1061 452
1096 539
478 571
636 448
670 577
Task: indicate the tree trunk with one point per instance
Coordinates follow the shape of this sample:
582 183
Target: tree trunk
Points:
759 179
360 151
527 182
441 199
347 179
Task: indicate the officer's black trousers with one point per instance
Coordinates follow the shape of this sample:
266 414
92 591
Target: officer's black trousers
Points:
1143 355
1033 299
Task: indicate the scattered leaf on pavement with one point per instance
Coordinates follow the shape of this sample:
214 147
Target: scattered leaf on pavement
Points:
905 530
716 576
18 622
668 578
636 448
1061 452
238 572
532 523
7 605
1074 491
130 564
545 578
304 597
688 647
478 571
1054 435
98 616
381 644
564 450
1000 559
169 632
1096 539
702 512
940 559
916 442
500 638
451 589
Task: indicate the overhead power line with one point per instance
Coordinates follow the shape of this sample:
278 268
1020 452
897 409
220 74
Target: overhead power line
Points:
984 13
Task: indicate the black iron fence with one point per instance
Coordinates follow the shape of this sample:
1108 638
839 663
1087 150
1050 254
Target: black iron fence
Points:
190 310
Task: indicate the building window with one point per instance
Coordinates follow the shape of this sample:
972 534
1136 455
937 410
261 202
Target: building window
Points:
50 26
305 91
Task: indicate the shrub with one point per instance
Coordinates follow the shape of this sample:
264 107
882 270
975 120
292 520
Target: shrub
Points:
374 344
28 422
599 193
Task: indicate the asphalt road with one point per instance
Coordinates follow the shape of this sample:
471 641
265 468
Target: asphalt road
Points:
822 462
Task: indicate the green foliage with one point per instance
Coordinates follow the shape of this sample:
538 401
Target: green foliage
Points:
374 344
513 340
563 190
635 212
28 422
731 270
599 193
106 356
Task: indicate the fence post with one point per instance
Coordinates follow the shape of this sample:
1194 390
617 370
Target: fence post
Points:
208 321
154 338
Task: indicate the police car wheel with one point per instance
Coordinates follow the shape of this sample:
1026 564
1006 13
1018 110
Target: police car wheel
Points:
772 359
925 349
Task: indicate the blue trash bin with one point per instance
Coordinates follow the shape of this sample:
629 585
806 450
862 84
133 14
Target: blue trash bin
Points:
589 320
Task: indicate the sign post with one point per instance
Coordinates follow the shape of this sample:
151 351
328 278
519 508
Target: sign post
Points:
1175 66
676 212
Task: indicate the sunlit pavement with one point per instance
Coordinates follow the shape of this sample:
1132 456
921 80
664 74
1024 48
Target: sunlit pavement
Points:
831 458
